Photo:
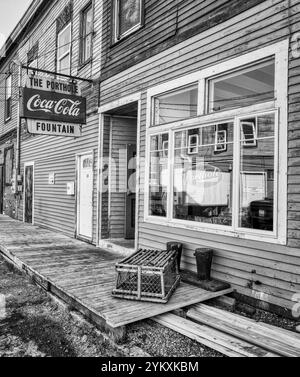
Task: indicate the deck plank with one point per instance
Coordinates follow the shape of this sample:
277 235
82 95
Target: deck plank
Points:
84 274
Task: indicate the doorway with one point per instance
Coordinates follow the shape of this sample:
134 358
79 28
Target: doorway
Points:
29 193
118 180
85 196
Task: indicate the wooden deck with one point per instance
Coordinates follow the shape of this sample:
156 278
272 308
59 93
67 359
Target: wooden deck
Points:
83 275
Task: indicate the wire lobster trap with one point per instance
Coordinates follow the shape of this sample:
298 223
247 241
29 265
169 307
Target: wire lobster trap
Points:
148 275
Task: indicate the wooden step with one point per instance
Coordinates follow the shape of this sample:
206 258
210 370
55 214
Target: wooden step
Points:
214 339
284 343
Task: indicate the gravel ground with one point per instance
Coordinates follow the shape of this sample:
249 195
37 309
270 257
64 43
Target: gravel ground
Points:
159 341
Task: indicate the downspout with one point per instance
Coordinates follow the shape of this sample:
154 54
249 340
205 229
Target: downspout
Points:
18 139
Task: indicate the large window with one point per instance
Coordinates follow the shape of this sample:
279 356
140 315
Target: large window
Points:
86 34
257 173
64 43
244 87
175 105
8 97
217 148
158 180
128 17
203 167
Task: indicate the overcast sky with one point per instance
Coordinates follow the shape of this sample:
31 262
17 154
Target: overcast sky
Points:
11 12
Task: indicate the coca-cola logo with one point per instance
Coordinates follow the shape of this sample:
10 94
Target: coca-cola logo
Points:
61 107
44 105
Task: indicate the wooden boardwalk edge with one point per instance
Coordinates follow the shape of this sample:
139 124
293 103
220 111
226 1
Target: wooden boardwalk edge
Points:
118 334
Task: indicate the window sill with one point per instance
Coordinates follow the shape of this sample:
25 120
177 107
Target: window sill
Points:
218 230
82 65
126 36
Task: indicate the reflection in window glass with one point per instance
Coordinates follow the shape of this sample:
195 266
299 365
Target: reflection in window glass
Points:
158 185
243 88
64 50
129 15
257 173
176 105
87 34
203 175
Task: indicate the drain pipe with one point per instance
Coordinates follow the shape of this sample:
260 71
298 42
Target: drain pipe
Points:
17 164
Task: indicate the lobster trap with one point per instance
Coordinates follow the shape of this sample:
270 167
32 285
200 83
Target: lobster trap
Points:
148 275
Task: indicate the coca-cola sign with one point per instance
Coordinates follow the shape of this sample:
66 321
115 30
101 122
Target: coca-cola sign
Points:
46 105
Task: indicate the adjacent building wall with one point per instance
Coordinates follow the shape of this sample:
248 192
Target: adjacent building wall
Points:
52 207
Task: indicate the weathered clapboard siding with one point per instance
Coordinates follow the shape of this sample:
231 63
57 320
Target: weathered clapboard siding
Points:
166 23
124 131
52 207
265 271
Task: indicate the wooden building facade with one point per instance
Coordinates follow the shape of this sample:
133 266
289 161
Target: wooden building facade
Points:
192 132
213 89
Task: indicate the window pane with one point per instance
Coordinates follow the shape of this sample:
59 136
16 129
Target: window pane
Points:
87 34
88 21
64 65
129 15
203 174
243 88
177 105
64 41
8 87
8 166
159 152
87 47
257 173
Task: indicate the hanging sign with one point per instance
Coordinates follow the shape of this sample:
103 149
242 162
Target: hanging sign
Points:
51 106
53 85
51 128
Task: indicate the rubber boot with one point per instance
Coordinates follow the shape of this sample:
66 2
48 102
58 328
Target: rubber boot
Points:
204 259
178 247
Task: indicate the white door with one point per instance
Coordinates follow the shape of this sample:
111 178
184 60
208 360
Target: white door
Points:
85 196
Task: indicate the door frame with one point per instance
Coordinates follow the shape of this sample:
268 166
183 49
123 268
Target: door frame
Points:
77 196
126 194
136 97
27 164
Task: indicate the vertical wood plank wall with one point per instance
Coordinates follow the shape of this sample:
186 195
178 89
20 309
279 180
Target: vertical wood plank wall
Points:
258 269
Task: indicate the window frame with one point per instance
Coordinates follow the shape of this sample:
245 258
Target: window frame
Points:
278 106
83 36
8 100
116 30
12 155
226 75
33 55
69 52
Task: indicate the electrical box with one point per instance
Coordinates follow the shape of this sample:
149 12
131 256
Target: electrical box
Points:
71 188
51 179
